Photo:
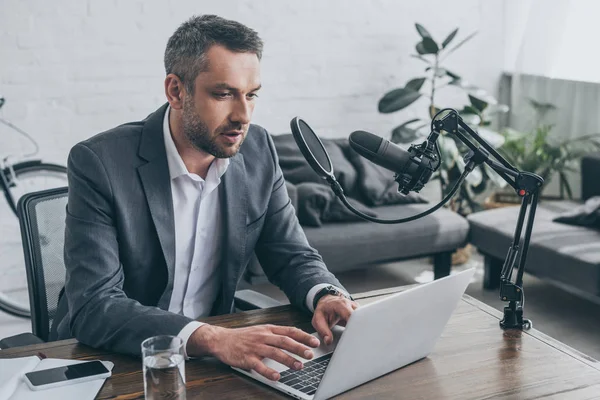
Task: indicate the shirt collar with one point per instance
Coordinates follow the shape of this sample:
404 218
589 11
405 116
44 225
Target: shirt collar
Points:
177 167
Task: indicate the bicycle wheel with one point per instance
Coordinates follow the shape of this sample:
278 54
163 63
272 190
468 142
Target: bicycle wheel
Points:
29 177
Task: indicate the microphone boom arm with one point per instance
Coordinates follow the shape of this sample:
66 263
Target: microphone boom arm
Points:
527 186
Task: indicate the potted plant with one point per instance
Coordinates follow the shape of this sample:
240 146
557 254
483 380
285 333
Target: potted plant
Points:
478 113
536 151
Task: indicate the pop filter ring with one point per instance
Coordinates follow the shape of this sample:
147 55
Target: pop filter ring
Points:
307 152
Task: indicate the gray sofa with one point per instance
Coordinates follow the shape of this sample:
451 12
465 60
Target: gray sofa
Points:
360 244
566 254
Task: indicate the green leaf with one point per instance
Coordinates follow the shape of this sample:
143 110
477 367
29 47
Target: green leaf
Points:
421 49
430 45
452 75
541 106
404 134
427 46
422 31
478 103
447 41
415 84
469 110
397 99
465 40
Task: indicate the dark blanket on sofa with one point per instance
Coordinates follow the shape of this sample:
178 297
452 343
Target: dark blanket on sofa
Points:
318 204
587 214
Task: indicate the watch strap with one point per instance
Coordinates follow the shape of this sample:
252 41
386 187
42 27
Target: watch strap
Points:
332 290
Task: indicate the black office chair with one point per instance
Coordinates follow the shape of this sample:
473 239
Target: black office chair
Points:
42 221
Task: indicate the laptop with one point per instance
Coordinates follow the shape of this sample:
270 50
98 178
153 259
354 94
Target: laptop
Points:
380 337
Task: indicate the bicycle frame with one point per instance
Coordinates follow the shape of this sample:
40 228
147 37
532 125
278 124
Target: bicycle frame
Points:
7 177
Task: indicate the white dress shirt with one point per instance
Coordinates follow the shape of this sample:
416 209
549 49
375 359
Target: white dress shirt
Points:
198 225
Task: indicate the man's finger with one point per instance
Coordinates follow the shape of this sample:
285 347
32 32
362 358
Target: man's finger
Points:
319 322
289 344
265 371
297 334
283 358
343 310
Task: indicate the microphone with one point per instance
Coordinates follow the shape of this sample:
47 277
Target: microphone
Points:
413 168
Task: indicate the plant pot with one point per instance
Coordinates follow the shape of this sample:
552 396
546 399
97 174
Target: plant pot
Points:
462 255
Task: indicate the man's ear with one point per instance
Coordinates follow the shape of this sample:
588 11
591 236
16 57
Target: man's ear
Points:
175 91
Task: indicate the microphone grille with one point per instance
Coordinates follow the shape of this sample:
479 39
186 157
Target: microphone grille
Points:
366 140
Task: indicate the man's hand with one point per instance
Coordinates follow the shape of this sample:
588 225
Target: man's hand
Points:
332 310
246 347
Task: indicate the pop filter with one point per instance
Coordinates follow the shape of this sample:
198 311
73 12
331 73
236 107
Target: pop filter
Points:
312 149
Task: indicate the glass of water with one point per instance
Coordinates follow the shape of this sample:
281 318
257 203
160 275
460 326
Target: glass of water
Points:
164 368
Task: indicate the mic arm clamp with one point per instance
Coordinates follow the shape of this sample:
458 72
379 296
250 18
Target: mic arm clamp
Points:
527 185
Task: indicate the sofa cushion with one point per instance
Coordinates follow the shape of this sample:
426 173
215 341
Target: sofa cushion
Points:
564 253
297 170
318 204
351 245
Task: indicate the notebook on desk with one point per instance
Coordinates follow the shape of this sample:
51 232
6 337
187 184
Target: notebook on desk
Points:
13 387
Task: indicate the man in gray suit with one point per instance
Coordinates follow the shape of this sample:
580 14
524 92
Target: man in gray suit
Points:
164 215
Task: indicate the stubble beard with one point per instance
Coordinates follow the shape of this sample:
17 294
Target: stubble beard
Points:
198 134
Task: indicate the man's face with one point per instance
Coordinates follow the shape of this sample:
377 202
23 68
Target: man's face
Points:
217 116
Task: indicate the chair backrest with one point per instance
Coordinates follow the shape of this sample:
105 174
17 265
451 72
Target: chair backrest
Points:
42 219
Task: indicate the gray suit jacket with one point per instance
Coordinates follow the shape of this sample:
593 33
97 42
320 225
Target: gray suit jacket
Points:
120 236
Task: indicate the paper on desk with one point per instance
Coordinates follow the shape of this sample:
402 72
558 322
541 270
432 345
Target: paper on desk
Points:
80 391
11 371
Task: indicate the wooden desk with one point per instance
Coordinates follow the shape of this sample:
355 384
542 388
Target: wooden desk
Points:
473 359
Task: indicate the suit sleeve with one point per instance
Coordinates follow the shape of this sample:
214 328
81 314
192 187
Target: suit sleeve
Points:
100 313
282 248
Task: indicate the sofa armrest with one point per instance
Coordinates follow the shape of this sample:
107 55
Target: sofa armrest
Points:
22 339
247 299
590 171
293 193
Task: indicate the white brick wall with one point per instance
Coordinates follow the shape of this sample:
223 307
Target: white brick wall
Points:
72 68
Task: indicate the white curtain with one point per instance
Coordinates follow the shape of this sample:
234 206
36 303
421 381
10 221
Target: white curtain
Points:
552 57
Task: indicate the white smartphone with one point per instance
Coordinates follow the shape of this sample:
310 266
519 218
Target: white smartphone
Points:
67 375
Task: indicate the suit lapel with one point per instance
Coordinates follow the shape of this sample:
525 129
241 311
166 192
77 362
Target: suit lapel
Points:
234 193
156 182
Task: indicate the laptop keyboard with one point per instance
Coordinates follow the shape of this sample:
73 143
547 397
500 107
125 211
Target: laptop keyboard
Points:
308 378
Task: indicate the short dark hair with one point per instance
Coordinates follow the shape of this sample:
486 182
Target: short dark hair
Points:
185 55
